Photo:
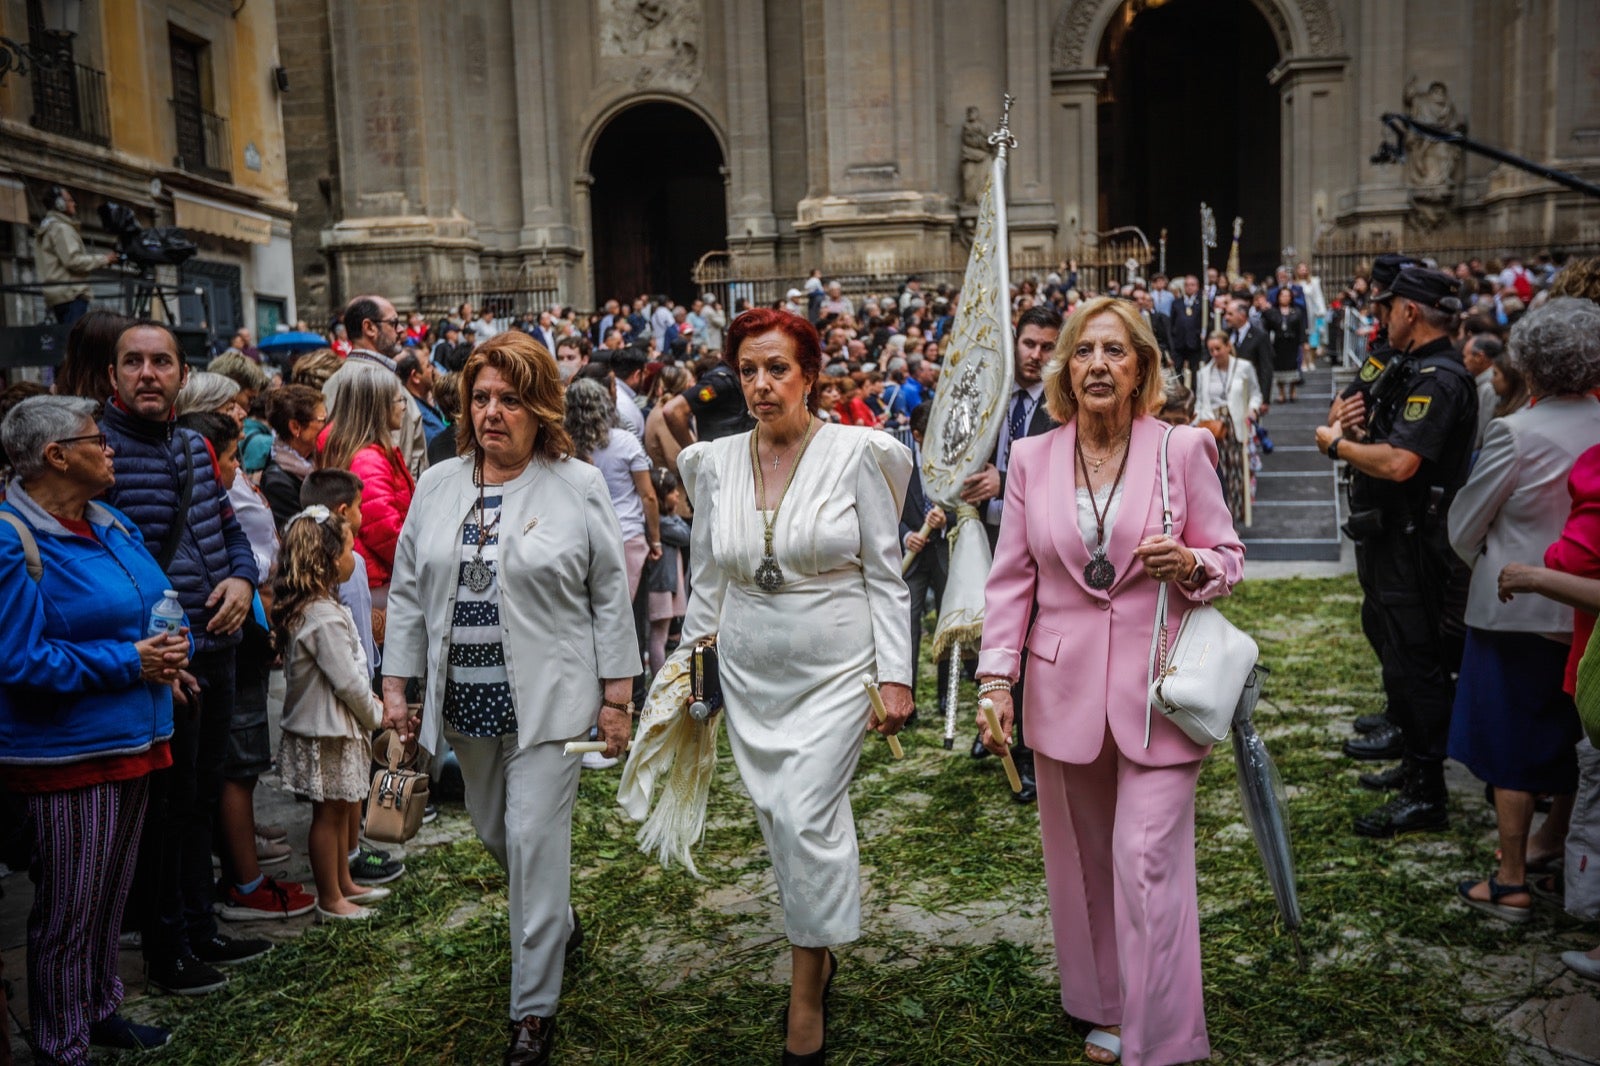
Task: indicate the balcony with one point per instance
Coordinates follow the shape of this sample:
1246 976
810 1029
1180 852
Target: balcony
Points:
70 99
203 144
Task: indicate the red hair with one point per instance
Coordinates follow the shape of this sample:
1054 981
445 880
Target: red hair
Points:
762 320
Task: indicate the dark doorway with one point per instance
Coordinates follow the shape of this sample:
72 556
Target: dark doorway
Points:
658 202
1187 116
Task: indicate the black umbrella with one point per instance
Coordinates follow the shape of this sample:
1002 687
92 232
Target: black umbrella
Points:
1261 789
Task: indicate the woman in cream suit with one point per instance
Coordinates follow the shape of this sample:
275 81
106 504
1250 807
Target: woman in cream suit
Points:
1227 381
1075 577
510 596
796 555
1513 725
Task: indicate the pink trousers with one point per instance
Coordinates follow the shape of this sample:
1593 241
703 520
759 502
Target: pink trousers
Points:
1119 864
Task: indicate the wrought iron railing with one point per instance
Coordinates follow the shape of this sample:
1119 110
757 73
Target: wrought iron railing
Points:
70 99
202 139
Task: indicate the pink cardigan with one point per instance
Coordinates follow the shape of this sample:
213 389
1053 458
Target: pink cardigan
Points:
1088 650
1578 550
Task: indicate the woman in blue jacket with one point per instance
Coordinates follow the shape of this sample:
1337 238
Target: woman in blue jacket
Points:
85 713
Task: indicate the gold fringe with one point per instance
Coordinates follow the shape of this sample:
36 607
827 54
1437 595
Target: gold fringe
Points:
968 634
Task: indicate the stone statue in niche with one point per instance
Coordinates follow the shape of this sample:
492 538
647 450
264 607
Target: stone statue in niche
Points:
974 157
659 40
1433 169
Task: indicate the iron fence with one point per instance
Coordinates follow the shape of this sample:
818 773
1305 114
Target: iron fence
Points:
1114 257
1338 257
203 143
529 291
70 99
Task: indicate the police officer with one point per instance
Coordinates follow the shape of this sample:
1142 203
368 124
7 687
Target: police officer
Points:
716 405
1378 736
1408 463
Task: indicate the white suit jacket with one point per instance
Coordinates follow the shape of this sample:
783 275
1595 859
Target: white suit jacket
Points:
1514 504
565 616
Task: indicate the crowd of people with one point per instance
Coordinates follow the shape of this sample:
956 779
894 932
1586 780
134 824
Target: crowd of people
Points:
404 521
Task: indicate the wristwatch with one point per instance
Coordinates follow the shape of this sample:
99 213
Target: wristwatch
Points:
625 708
1197 576
1333 449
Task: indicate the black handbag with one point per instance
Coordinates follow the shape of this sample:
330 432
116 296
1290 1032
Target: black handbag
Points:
705 683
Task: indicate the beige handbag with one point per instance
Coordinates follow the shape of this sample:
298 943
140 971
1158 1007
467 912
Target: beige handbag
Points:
395 807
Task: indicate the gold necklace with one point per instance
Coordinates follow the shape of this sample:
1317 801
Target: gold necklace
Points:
769 576
1098 463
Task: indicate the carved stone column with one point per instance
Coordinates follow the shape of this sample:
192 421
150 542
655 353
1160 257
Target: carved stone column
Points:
1074 137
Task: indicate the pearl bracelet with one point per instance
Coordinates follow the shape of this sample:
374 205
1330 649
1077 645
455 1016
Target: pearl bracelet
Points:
994 686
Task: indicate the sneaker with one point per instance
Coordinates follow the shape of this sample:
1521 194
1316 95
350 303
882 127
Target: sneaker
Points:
271 852
429 813
360 914
594 760
118 1032
272 832
371 895
370 867
271 899
229 951
185 976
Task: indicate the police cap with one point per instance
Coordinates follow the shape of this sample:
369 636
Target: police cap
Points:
1430 288
1387 267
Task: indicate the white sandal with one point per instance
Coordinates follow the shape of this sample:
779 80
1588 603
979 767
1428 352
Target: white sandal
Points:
1105 1042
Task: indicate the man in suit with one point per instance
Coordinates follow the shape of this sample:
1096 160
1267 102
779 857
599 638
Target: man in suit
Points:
1188 345
932 563
1159 324
1250 342
1037 331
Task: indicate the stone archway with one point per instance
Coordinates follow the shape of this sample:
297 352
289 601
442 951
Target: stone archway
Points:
657 200
1308 78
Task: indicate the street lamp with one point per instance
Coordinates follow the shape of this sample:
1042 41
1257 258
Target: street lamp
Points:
61 19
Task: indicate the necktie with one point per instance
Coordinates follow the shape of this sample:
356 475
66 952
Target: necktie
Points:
1016 425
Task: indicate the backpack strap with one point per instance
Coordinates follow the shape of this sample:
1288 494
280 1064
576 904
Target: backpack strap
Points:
30 546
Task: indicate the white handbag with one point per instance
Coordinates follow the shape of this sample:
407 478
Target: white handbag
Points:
1197 682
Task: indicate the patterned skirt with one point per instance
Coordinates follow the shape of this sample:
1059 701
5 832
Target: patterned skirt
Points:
325 768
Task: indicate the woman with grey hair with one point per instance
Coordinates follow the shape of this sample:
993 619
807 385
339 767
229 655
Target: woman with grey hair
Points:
205 391
86 710
1513 725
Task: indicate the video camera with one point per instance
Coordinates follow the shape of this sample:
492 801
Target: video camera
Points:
145 247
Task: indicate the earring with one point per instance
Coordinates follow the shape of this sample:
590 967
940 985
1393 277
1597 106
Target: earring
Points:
1136 393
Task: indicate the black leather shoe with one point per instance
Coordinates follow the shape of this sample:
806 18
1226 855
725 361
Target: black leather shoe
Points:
1368 722
531 1039
1404 814
978 750
575 938
1030 787
1382 743
1389 780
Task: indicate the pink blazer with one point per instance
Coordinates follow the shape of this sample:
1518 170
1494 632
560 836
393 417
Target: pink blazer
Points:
1088 650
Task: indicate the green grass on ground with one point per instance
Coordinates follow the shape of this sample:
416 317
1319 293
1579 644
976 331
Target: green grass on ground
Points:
955 965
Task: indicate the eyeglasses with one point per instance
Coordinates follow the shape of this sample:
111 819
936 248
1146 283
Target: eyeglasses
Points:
98 438
392 323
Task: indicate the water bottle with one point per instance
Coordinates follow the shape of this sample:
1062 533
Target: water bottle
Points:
167 616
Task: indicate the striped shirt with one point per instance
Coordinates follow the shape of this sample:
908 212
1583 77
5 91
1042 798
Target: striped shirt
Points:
477 692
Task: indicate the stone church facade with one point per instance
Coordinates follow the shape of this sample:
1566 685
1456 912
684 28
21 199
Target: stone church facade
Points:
604 143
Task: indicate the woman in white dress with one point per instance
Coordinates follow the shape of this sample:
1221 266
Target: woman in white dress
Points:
1227 381
796 558
1316 310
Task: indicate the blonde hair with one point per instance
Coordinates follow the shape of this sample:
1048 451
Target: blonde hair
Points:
360 416
315 368
1058 397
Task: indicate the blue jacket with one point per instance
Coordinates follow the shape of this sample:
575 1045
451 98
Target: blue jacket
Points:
150 466
70 686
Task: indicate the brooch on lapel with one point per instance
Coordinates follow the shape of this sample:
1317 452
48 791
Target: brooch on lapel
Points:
534 521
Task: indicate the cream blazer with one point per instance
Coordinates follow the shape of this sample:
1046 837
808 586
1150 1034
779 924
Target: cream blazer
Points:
565 617
1513 507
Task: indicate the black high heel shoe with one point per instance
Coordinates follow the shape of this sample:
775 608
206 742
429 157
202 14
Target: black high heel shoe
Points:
820 1056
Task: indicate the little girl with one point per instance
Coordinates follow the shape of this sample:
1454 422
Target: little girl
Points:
667 599
328 705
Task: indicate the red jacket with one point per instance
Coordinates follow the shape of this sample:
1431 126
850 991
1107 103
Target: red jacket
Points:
387 488
1578 550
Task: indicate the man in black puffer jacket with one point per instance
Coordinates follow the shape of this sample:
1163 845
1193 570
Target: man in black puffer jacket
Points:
167 482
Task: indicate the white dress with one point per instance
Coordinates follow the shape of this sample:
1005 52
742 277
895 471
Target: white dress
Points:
792 661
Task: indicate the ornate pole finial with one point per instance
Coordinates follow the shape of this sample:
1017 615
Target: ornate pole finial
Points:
1001 138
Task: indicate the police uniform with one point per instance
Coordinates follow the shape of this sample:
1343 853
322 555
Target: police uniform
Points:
718 405
1380 735
1426 403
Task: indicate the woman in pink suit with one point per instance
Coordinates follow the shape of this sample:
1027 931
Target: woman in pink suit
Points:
1076 570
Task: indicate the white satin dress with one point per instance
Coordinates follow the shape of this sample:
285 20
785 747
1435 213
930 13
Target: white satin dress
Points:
792 661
